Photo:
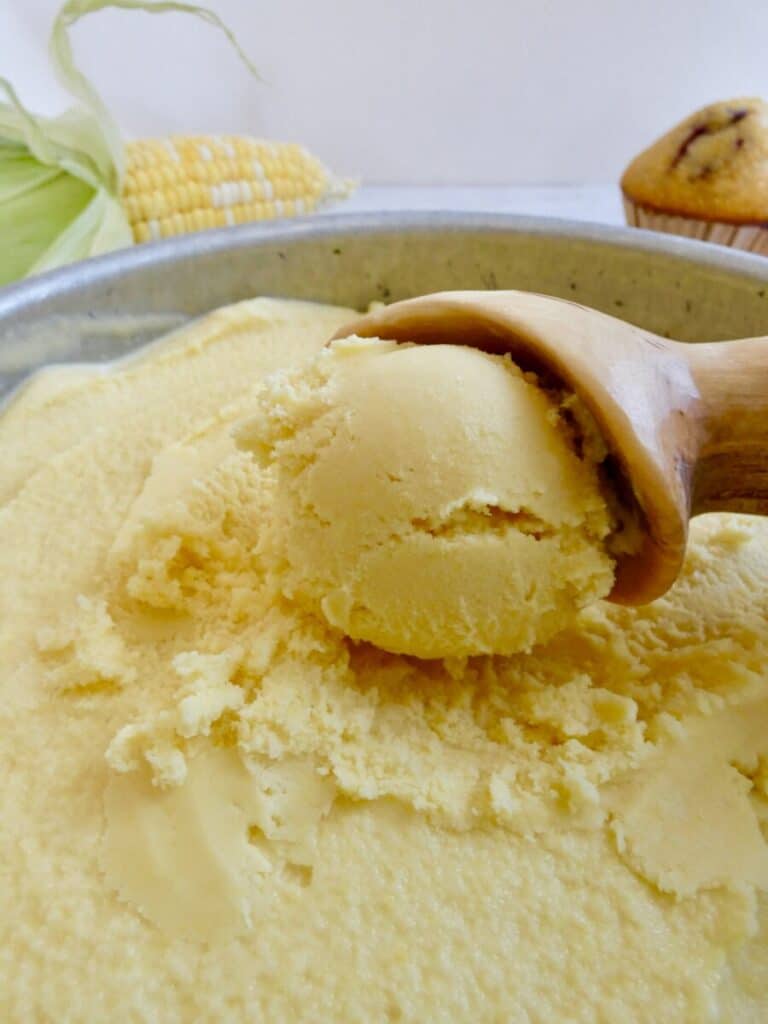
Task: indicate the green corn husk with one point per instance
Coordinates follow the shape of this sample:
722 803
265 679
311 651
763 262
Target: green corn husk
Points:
61 177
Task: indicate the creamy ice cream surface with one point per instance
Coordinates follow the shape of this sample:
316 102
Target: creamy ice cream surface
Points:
429 499
217 806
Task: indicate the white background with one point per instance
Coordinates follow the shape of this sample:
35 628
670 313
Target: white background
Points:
419 91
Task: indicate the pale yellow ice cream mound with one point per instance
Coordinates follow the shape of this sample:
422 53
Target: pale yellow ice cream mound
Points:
218 808
429 499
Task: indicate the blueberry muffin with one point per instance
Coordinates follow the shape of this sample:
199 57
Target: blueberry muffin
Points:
706 178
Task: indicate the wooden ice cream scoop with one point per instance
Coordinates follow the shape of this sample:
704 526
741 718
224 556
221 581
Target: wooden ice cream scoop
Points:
687 424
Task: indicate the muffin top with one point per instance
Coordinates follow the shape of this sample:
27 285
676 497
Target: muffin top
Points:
713 165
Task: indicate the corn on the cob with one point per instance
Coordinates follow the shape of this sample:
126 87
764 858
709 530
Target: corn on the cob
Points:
188 183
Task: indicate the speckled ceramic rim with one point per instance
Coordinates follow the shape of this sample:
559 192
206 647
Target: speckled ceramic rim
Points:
102 310
69 289
751 238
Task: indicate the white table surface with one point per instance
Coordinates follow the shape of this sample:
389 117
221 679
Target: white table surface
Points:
597 203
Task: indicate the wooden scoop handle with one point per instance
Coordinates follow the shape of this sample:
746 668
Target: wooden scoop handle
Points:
731 474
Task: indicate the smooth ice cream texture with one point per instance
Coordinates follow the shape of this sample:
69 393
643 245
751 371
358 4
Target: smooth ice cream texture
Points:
218 807
429 499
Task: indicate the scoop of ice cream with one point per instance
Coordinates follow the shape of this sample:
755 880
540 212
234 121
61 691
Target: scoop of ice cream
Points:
433 500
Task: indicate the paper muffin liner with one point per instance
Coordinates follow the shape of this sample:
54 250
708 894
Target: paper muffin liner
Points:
749 237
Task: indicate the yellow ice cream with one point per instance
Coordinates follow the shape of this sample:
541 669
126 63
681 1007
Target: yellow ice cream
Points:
429 499
217 807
